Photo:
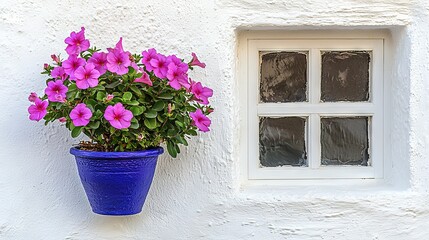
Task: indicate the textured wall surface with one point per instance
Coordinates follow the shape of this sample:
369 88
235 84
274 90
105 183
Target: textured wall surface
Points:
198 195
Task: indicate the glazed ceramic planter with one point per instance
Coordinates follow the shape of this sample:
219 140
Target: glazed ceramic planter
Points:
116 183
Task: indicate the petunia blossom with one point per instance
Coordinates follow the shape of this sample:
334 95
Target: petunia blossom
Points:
118 61
56 59
177 77
200 120
147 57
87 76
99 59
71 64
118 116
38 110
56 91
62 119
178 62
109 97
201 93
58 72
144 79
118 46
80 115
33 96
160 65
77 43
196 62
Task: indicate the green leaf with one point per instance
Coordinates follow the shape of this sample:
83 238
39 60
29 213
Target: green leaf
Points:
132 103
98 88
171 149
70 95
76 132
101 96
182 140
136 110
94 125
98 113
171 132
150 123
135 125
127 96
191 108
113 84
150 114
158 106
72 87
136 90
180 124
166 96
193 132
91 104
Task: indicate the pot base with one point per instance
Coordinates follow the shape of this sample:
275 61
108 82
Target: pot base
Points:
116 183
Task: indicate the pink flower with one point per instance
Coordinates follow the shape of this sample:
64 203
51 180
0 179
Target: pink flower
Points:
160 65
200 120
144 78
201 93
118 116
118 61
109 97
118 46
33 96
55 58
80 115
179 63
62 119
133 64
87 76
76 43
45 66
71 64
38 110
56 91
99 59
147 57
58 72
177 76
196 62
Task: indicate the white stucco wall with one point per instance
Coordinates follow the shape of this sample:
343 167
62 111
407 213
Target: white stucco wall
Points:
198 195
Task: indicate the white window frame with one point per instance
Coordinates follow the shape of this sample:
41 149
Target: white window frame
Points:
249 58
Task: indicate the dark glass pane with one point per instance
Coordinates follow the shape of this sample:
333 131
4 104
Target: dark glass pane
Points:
345 141
345 76
282 141
283 77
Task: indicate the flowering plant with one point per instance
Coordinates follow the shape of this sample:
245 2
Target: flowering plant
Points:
123 101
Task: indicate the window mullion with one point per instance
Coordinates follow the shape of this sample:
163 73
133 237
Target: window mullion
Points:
313 137
314 72
314 141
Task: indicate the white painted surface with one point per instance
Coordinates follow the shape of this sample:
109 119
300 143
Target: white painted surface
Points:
198 196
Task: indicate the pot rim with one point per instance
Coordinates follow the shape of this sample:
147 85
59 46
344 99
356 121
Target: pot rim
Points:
151 152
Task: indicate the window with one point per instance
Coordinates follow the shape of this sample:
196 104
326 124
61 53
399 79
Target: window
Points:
314 107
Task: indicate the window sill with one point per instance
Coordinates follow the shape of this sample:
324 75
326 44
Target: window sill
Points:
295 190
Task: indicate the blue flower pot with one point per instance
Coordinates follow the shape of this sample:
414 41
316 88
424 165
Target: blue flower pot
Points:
116 183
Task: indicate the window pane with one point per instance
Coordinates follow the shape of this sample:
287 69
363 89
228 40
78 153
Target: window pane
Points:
283 77
345 141
345 76
282 141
